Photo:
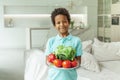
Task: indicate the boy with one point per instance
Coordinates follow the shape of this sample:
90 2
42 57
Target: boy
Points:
61 20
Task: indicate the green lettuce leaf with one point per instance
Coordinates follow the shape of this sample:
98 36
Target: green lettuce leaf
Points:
65 52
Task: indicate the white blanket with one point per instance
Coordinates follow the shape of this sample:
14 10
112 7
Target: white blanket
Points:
36 69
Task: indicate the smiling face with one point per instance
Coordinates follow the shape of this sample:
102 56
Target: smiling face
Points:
62 24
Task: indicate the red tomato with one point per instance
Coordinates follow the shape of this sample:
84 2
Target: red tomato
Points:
74 63
51 57
66 64
57 62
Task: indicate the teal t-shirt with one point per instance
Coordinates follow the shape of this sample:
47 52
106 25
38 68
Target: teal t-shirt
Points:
60 74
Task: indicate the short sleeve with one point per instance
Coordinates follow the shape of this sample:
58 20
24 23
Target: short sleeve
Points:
47 50
79 48
49 44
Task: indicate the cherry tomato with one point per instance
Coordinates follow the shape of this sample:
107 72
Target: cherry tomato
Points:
57 62
51 57
66 64
74 63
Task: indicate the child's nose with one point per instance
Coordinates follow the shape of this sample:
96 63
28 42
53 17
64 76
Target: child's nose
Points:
61 23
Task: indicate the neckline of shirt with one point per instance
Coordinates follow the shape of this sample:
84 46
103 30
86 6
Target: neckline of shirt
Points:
67 37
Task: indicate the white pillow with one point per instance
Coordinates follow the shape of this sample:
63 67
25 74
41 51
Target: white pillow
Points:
89 62
87 45
105 51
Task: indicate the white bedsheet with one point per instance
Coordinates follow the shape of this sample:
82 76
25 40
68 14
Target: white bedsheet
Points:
112 65
36 69
105 74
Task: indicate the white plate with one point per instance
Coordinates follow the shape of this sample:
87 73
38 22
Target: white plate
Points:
63 68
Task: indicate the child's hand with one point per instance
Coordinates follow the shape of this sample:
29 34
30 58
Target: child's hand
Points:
78 60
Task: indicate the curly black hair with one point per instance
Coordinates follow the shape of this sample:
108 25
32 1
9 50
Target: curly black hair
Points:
58 11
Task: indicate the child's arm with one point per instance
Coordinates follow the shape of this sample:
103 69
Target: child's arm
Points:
78 60
47 63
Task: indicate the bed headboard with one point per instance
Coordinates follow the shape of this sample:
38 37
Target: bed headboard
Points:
29 36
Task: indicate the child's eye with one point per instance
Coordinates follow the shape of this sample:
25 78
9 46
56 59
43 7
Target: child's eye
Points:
65 21
58 22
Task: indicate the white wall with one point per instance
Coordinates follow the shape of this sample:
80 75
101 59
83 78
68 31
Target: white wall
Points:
1 15
14 37
12 44
12 64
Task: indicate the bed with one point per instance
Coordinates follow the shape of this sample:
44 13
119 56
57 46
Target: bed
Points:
92 68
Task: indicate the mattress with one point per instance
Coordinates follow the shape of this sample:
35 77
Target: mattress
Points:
105 74
110 70
112 65
36 69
